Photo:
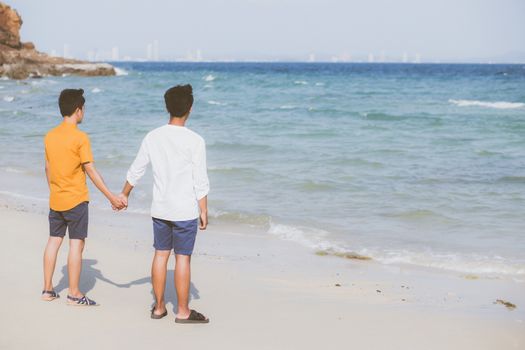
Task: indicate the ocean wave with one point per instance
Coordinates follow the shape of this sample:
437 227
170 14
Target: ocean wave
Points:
120 72
382 116
313 186
496 105
96 90
418 215
234 171
239 146
308 237
217 103
9 98
12 170
287 107
209 77
240 218
315 134
464 263
300 82
22 196
513 179
323 244
356 162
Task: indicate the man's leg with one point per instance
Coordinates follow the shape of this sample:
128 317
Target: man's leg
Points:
50 259
182 284
159 268
74 266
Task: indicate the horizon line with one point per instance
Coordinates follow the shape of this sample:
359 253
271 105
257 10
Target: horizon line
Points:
310 62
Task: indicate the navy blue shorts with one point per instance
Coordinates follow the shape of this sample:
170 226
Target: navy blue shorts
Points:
177 235
75 220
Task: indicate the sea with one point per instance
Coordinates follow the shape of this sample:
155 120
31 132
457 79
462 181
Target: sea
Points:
420 164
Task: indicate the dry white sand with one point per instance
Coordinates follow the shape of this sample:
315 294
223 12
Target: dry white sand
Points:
259 292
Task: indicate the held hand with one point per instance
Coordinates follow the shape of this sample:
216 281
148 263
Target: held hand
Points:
203 220
124 200
116 202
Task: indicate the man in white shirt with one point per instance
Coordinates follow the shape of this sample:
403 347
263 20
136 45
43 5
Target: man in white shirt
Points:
180 188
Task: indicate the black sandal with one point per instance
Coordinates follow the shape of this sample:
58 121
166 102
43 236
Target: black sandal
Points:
49 295
194 317
158 317
82 301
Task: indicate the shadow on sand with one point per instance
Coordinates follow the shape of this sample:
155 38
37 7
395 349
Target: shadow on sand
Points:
90 276
170 295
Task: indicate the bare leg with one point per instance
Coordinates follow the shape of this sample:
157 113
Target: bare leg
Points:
50 259
159 268
182 284
74 266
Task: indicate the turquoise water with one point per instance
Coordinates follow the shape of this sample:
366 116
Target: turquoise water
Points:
420 164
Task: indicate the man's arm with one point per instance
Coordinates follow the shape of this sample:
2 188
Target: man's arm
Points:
201 184
203 207
126 190
47 174
136 171
98 181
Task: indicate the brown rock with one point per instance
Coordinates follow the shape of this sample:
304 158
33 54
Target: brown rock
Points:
21 60
10 23
28 46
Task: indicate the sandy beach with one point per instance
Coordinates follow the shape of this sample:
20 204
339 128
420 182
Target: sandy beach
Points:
259 292
362 166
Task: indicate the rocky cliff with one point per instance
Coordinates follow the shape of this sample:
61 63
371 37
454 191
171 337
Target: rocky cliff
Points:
21 60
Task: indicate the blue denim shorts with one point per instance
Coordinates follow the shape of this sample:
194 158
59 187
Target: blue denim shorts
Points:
177 235
75 220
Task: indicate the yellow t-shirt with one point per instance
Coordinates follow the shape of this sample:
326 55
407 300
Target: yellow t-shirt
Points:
67 148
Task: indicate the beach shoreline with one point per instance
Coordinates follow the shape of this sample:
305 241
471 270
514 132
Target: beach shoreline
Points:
260 292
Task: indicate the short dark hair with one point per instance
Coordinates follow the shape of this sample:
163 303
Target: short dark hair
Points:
179 100
70 100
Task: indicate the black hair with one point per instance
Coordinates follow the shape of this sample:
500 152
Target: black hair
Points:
179 100
70 100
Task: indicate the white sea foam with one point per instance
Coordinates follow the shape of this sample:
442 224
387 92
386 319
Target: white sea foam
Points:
300 82
120 71
9 169
9 98
308 237
287 107
319 84
23 196
497 105
318 239
41 82
4 78
1 87
465 263
209 77
96 90
217 103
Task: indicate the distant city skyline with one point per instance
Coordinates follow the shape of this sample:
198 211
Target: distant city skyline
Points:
152 53
287 30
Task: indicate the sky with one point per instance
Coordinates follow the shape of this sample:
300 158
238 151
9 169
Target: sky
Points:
321 30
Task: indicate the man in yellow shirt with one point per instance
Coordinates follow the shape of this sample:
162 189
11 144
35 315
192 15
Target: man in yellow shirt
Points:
68 160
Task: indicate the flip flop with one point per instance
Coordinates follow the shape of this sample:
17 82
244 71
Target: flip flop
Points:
83 301
52 295
194 317
158 317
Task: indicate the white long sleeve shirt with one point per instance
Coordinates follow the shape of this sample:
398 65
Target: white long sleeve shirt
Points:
178 160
